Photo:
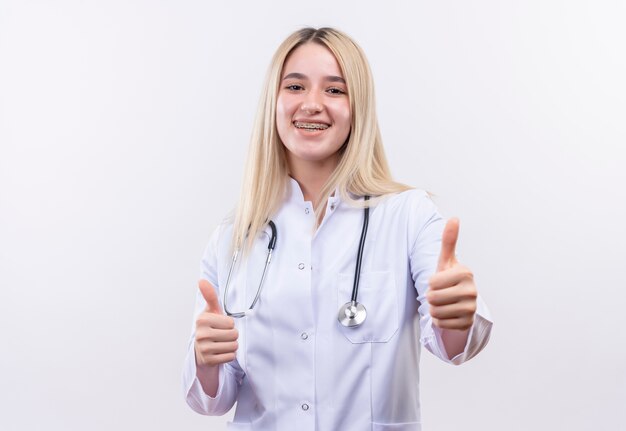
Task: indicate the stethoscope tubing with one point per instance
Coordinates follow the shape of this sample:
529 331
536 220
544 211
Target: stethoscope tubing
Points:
351 314
359 257
270 248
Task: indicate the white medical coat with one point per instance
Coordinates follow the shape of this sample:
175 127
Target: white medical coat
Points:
297 367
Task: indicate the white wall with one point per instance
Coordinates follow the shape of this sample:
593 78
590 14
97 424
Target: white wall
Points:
123 125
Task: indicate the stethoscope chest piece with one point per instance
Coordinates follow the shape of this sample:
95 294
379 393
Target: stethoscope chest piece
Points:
352 314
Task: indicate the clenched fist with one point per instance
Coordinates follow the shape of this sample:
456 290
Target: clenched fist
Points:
452 293
216 335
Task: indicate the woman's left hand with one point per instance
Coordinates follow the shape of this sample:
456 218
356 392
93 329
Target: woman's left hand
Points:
452 293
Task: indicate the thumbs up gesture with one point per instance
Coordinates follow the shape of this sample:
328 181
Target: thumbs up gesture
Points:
216 335
451 293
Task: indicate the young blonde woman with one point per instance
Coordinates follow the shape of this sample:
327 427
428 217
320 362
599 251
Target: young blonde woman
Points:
363 272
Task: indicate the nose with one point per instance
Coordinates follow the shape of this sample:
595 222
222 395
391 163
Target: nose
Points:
312 104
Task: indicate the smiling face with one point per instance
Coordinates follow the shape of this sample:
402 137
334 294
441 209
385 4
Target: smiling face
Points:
313 109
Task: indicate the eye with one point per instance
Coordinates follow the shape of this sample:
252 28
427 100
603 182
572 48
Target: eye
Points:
335 90
294 87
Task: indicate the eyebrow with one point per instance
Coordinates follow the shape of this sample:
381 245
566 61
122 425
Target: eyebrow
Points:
331 78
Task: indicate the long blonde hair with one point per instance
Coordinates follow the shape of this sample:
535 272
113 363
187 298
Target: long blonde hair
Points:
362 169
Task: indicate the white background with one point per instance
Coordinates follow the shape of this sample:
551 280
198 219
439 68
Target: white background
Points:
123 128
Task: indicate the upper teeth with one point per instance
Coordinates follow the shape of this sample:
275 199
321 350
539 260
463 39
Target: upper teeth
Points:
318 126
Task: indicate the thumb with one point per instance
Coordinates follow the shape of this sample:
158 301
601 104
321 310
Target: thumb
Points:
447 257
210 296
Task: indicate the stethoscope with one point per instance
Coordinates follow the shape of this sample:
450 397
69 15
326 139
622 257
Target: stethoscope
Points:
351 314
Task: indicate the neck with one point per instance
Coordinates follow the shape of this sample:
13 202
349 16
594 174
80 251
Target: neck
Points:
312 176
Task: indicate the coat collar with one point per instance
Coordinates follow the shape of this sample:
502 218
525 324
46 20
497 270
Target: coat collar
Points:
295 195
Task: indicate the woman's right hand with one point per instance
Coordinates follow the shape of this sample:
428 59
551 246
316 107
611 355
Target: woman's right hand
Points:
216 335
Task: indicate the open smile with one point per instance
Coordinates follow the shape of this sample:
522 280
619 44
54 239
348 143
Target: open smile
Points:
310 126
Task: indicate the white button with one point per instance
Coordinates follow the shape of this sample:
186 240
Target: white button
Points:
306 210
332 207
304 335
301 266
305 407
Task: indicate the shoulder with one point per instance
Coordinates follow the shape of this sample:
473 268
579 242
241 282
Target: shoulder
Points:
411 214
412 201
220 236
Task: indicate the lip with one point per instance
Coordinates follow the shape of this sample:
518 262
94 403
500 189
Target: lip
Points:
305 120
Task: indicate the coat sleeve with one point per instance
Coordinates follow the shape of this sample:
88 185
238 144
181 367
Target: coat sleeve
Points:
425 231
230 374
